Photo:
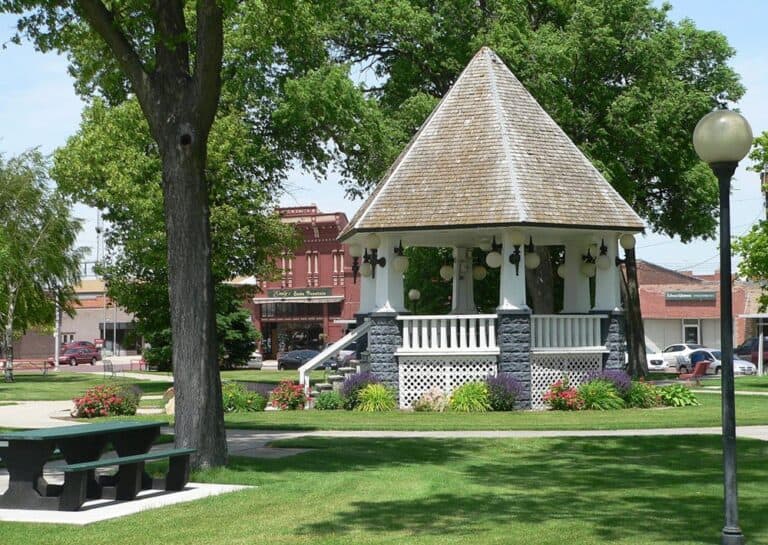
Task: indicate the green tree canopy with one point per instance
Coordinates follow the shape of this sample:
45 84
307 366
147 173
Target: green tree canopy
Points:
627 84
39 264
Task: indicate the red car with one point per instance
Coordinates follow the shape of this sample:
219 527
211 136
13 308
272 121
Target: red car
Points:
73 356
79 344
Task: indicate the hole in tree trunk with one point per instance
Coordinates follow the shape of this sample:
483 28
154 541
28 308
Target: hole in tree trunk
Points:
186 139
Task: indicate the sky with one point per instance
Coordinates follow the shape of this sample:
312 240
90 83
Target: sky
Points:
38 108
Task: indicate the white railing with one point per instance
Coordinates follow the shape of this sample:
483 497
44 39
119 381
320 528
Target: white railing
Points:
331 351
555 331
449 334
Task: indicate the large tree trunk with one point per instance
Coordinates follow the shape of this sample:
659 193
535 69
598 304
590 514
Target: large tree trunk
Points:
638 363
199 409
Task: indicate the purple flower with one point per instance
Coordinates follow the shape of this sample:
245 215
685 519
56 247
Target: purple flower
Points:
620 379
503 391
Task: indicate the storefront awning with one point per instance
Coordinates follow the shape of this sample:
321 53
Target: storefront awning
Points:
310 299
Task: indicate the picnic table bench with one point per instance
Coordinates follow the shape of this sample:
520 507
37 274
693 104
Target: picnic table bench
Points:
82 446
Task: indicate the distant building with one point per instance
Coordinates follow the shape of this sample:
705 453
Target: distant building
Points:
679 306
96 319
315 300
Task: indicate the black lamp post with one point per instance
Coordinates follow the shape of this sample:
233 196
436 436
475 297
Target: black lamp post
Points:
722 138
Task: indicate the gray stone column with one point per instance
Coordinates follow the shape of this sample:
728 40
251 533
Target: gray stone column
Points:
614 335
362 342
384 338
513 332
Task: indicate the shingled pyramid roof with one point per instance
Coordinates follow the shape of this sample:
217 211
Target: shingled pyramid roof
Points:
489 155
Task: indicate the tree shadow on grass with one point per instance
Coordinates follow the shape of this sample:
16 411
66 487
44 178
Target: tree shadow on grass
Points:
650 489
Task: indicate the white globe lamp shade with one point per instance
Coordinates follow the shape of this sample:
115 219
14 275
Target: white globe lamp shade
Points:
722 136
517 238
561 271
414 294
366 269
400 264
532 260
588 269
627 241
446 272
493 260
373 241
479 272
485 245
603 262
355 250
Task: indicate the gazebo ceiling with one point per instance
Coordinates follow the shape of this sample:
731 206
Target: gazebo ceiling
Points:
489 155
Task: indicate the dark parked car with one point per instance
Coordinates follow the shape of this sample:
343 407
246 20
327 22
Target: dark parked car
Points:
748 350
73 356
295 358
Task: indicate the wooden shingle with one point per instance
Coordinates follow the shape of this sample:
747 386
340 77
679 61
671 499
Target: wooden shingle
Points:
490 155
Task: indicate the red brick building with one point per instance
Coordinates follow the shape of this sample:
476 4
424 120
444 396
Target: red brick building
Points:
315 299
679 306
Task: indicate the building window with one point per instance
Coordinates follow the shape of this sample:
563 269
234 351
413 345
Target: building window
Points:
338 268
67 338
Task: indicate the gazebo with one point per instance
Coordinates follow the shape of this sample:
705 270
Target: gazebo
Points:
490 169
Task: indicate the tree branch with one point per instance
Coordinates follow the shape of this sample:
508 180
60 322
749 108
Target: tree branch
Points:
171 40
102 21
210 48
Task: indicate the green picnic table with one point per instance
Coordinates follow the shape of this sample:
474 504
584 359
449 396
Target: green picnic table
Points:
25 453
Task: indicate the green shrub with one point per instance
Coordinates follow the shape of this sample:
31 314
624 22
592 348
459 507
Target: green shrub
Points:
106 400
376 398
328 401
601 395
236 399
433 400
642 395
471 397
677 395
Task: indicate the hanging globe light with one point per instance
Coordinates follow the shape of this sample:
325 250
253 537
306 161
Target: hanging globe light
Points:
561 271
532 260
627 241
373 241
446 272
588 269
400 264
366 270
414 294
493 260
355 250
479 272
603 262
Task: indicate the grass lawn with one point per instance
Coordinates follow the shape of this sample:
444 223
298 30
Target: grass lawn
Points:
37 387
753 384
626 491
749 410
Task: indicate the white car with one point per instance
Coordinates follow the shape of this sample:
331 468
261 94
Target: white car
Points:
740 367
678 355
255 361
656 363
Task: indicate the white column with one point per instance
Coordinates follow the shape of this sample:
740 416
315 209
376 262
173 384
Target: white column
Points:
576 288
367 294
607 289
511 284
389 284
463 299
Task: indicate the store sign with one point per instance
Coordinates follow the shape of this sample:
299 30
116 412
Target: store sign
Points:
690 295
299 292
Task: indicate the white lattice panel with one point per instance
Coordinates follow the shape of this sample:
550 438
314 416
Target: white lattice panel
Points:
547 368
417 374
